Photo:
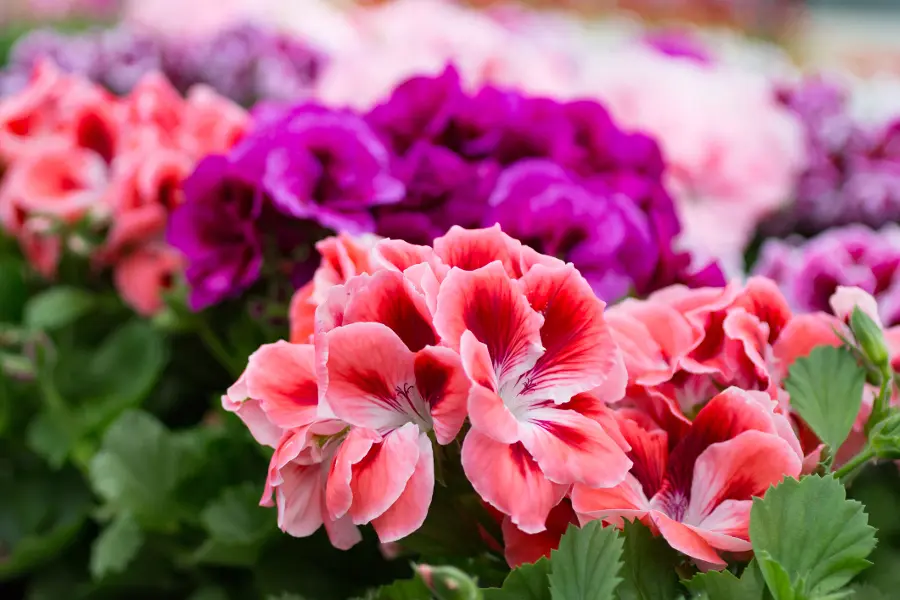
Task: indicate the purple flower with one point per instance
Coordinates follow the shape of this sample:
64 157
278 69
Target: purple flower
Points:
601 231
809 272
217 230
679 44
327 166
561 176
853 170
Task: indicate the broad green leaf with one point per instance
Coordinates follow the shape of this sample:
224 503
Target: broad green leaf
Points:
826 391
406 589
723 585
649 572
778 580
117 545
13 292
235 517
587 564
40 512
866 592
527 582
58 307
49 438
813 532
139 466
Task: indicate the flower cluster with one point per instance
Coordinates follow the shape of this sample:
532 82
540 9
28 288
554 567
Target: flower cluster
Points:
670 410
243 62
809 272
99 175
733 152
852 172
562 177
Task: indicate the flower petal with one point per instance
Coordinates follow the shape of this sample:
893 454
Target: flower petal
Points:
508 478
381 476
471 249
490 305
250 411
580 353
299 499
686 540
570 448
282 377
623 501
370 371
409 511
444 387
338 492
739 469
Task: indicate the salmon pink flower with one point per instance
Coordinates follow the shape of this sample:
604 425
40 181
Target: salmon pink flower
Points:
529 346
696 490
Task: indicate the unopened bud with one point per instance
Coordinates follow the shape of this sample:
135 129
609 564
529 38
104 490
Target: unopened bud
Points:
448 583
870 338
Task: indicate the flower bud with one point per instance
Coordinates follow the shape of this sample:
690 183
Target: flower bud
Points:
870 338
449 583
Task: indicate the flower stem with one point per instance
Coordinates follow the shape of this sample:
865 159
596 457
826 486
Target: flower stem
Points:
867 454
879 407
218 349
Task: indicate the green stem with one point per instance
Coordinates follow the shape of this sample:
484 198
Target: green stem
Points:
867 454
218 349
879 407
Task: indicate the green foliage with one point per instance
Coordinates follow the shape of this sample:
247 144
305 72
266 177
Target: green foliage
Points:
117 545
826 391
58 307
724 585
649 566
587 564
13 291
809 539
528 582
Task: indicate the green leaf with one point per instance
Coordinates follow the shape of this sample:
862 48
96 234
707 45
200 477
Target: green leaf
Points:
723 585
49 438
778 580
405 589
117 545
13 292
58 307
139 466
813 532
235 517
527 582
649 572
826 391
885 437
867 592
586 566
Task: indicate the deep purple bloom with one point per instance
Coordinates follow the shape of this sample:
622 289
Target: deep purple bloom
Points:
217 230
853 169
809 272
329 167
561 176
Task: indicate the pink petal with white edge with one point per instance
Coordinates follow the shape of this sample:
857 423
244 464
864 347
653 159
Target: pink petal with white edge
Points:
299 499
686 540
487 411
381 476
471 249
739 469
282 377
490 305
580 353
509 479
409 511
338 492
427 281
251 413
443 386
570 448
371 378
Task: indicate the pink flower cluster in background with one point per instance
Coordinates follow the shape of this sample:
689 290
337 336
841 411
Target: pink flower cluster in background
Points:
670 410
98 175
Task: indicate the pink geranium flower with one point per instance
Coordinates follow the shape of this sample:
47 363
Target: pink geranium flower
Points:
696 490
